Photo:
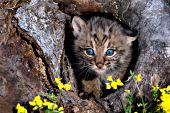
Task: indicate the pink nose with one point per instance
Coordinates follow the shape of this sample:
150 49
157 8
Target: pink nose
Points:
99 65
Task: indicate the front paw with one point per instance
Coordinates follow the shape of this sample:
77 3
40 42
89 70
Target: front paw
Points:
97 93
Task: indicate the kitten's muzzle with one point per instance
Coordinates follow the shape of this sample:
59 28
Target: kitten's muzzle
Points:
99 65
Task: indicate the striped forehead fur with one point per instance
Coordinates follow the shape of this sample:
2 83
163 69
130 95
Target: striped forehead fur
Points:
101 29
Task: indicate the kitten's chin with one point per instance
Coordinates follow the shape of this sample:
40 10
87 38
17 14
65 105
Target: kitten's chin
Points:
100 71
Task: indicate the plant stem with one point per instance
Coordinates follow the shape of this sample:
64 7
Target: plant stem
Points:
122 104
143 103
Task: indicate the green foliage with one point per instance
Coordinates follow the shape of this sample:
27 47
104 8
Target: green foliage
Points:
130 100
156 92
161 97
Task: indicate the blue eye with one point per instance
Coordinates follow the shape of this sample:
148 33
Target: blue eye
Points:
89 51
109 52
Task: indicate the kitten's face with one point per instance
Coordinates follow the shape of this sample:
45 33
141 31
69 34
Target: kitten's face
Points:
100 57
100 45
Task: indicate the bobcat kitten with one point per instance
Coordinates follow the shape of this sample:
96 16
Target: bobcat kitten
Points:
101 48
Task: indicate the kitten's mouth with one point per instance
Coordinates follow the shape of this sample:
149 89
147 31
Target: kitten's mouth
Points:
98 70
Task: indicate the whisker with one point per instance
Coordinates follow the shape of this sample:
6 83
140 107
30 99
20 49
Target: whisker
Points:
83 71
80 68
87 73
77 63
83 67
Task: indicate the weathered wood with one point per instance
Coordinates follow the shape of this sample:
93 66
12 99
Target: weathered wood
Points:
43 21
20 73
78 6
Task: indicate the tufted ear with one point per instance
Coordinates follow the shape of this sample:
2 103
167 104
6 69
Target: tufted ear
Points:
130 39
131 35
78 25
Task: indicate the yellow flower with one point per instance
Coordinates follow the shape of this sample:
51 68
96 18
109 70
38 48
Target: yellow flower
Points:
109 78
60 109
37 102
127 91
155 88
55 106
165 98
47 103
67 86
108 86
168 88
163 91
60 86
165 103
32 103
21 109
119 83
114 85
138 77
35 108
50 105
58 80
135 112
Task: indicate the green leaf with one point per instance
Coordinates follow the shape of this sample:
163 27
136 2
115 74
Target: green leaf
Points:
130 99
132 73
128 109
47 111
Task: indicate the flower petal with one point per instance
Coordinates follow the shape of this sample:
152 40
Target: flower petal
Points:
67 86
114 85
108 86
60 86
119 83
109 78
138 77
32 103
127 91
60 109
58 80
